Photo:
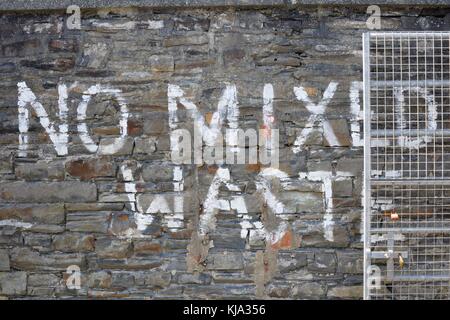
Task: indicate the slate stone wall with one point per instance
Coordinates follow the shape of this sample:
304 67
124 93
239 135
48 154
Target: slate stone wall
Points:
91 206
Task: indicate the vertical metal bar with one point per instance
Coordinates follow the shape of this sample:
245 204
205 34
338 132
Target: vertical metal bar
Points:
367 165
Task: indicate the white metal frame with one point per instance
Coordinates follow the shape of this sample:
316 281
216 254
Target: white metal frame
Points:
407 164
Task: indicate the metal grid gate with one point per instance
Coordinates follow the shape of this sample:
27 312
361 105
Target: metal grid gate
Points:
407 165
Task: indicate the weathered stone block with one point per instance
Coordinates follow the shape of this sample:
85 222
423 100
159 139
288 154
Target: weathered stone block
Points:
145 145
58 64
156 123
186 40
233 56
346 292
40 213
122 279
43 280
157 173
86 169
350 262
308 290
41 192
291 261
6 165
22 48
225 261
153 278
4 260
40 170
280 60
100 279
13 283
353 166
194 278
161 63
95 55
110 248
73 242
297 202
313 236
88 221
279 291
39 241
114 197
72 207
323 262
63 45
133 263
146 247
23 258
342 187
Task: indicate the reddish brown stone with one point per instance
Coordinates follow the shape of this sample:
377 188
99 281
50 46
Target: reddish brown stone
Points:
87 169
286 241
134 127
253 167
182 234
147 247
107 131
63 45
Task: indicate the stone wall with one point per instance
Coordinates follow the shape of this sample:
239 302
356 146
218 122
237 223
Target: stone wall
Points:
86 177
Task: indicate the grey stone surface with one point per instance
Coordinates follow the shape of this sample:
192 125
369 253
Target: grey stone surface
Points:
41 213
62 4
4 260
39 192
308 290
81 209
13 283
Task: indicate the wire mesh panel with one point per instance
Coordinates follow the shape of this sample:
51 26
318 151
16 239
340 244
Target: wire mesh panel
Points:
407 165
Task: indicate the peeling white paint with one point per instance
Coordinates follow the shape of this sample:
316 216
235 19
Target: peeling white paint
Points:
59 137
262 184
238 203
374 238
268 116
316 108
15 223
129 25
227 108
392 174
81 117
357 114
159 204
317 111
255 230
155 24
326 177
212 204
142 220
401 122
